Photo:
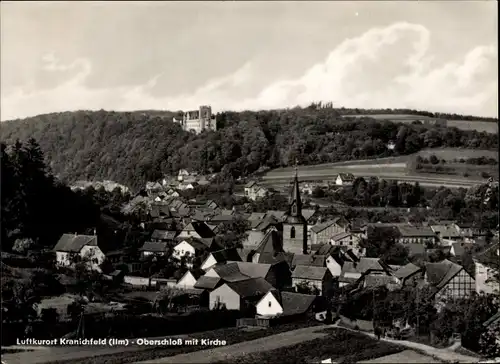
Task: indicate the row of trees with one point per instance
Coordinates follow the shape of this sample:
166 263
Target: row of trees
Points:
132 148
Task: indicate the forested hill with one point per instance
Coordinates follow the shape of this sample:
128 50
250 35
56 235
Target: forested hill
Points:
134 147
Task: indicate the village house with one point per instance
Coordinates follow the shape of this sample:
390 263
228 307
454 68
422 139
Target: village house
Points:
321 233
458 249
258 230
414 234
447 232
335 258
409 275
150 248
318 278
253 191
469 230
270 250
449 280
346 239
196 229
240 295
187 281
73 247
193 247
153 188
344 179
220 257
285 304
415 249
183 186
183 173
353 271
163 235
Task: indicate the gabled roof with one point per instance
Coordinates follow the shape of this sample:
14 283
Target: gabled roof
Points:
200 228
200 244
254 270
415 248
308 213
461 248
446 231
224 255
250 184
205 282
256 216
407 270
254 287
372 280
309 272
320 227
346 176
309 260
279 215
341 235
293 303
439 274
273 258
163 235
271 243
414 231
364 265
222 218
229 272
326 249
156 247
263 224
159 209
74 243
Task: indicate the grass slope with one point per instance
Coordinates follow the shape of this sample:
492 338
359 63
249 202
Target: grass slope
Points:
231 335
340 345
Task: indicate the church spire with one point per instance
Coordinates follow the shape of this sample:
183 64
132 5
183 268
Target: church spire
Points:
295 202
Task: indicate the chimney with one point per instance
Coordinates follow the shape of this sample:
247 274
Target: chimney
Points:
95 232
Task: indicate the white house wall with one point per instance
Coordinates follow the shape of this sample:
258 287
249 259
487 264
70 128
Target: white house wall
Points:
187 281
208 263
269 306
226 296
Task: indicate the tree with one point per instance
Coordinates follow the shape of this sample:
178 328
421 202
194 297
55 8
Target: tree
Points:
488 341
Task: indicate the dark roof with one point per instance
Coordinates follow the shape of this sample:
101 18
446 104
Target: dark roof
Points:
309 260
224 255
295 303
264 223
158 210
230 272
309 272
201 244
446 231
222 218
244 253
250 184
74 243
279 215
414 231
254 270
341 235
256 216
372 280
163 235
253 287
156 247
308 213
205 282
273 258
326 249
461 248
346 176
439 274
415 248
271 243
407 270
201 229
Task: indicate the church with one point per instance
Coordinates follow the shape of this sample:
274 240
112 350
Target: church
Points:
294 223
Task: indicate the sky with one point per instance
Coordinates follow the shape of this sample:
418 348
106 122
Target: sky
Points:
438 56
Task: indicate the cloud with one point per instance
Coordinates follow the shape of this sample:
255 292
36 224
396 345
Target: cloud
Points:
391 67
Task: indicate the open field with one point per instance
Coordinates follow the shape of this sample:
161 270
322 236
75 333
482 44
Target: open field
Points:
406 356
401 168
490 127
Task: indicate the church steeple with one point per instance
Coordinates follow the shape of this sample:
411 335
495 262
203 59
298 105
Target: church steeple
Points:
295 202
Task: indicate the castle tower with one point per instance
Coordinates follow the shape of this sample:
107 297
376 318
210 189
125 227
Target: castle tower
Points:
294 224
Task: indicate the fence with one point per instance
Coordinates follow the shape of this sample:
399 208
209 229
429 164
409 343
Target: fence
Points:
257 322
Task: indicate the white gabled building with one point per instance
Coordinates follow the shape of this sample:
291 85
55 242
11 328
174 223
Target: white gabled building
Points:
71 246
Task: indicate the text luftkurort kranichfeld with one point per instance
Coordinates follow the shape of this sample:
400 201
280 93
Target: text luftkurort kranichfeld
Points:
122 342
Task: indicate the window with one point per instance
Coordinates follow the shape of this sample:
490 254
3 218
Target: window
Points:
269 303
292 232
